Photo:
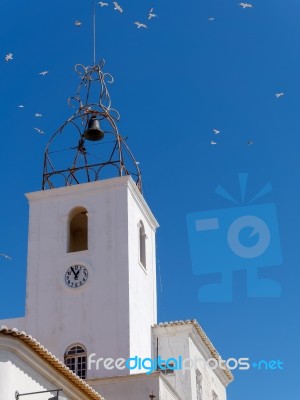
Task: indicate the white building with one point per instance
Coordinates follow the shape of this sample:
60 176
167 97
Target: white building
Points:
26 367
91 296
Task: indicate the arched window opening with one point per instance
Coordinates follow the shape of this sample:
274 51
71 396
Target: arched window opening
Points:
142 244
78 230
75 359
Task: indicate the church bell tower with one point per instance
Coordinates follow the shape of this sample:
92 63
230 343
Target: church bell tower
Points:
91 277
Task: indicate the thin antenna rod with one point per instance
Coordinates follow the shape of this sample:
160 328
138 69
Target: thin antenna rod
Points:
94 31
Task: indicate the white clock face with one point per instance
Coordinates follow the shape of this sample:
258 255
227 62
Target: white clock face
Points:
76 276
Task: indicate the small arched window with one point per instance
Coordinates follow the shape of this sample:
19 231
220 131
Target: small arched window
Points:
75 359
78 230
142 244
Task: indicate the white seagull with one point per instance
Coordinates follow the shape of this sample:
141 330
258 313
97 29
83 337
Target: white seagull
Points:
8 57
43 73
139 25
78 23
279 95
117 7
21 106
246 5
102 4
212 142
216 131
38 115
211 18
39 131
5 256
151 14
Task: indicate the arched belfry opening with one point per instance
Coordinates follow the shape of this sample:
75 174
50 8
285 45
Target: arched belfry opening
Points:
78 230
88 146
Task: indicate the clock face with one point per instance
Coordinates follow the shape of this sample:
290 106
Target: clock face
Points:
76 276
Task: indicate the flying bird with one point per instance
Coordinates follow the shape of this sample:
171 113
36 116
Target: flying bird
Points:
21 106
39 131
211 18
117 7
279 95
78 23
139 25
250 142
5 256
212 142
246 5
216 131
43 73
8 57
38 115
102 4
151 14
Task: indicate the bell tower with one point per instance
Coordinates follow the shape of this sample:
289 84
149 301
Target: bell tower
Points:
91 275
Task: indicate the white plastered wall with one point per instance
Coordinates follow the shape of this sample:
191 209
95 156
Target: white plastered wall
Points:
135 387
111 315
183 341
23 371
142 279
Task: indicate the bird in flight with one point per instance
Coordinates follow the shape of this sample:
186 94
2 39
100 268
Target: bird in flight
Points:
279 95
151 14
5 256
38 115
21 106
246 5
39 131
211 18
216 131
212 142
139 25
8 57
250 142
102 4
43 73
117 7
78 23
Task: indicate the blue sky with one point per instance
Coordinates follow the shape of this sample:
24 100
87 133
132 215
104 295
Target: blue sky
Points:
174 83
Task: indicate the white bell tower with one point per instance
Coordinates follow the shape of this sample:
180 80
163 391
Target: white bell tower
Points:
92 281
91 274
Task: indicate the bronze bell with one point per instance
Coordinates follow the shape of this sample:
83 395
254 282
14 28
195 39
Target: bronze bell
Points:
93 131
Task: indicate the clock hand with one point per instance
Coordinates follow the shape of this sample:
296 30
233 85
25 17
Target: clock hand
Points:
76 274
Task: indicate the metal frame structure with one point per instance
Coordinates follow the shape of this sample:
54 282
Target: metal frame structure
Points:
91 100
18 395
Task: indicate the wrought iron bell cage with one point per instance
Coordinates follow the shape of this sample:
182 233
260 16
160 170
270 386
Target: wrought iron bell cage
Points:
97 149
